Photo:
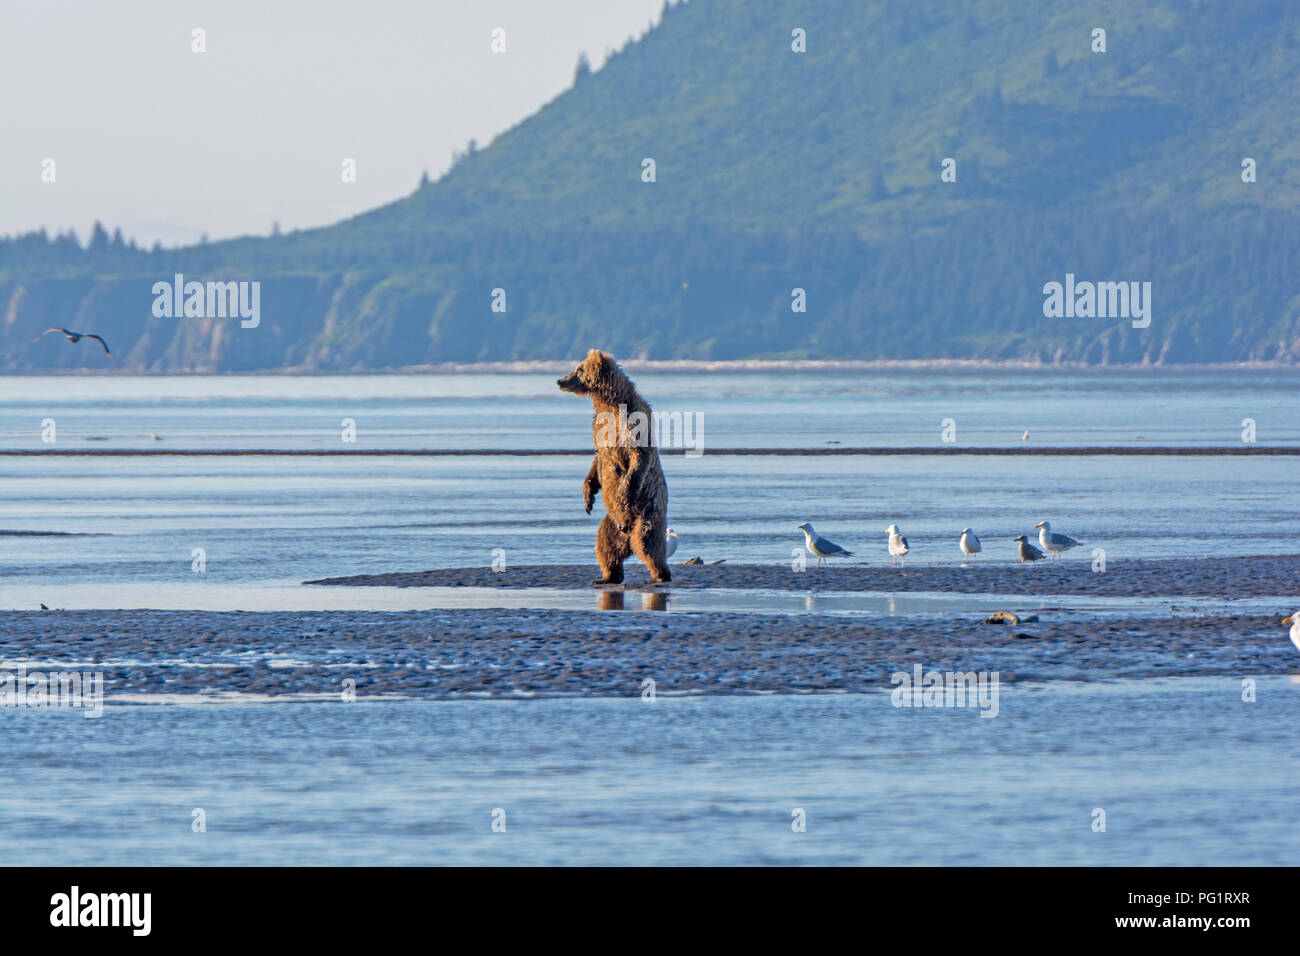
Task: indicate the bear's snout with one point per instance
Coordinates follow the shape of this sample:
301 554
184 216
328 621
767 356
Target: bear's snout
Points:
570 383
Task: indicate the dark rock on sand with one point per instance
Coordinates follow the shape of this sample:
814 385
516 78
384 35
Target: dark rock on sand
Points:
1008 617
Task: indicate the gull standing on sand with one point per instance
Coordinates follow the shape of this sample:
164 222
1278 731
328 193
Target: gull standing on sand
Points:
1028 553
820 546
897 544
1054 541
970 545
1294 621
672 544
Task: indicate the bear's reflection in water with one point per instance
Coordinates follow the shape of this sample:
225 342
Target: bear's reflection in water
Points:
612 600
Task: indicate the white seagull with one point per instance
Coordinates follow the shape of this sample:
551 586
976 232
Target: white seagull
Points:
820 546
1028 553
1054 541
672 544
897 544
970 545
1294 621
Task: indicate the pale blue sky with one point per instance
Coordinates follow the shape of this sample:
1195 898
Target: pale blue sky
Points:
168 143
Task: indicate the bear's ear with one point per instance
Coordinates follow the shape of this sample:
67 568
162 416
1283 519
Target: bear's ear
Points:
594 355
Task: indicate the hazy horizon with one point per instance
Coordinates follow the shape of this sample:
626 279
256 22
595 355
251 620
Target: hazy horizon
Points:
152 137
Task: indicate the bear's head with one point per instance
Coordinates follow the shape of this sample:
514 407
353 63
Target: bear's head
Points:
597 374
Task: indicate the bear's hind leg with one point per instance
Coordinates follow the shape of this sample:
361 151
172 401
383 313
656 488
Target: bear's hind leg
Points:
651 546
611 551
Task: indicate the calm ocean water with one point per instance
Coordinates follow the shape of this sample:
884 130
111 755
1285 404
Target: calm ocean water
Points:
1186 772
271 522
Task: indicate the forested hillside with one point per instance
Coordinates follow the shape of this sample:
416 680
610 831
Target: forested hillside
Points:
777 170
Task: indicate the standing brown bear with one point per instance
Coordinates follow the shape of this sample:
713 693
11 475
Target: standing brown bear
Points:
625 470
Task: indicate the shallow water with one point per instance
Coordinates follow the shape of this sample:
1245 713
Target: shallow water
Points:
283 520
1187 773
784 408
289 596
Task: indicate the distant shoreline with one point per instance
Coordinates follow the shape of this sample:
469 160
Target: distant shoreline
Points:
1139 451
547 366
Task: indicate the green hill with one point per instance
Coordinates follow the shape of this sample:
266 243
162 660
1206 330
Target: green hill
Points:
777 170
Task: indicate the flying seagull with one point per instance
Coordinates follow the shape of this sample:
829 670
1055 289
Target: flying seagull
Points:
1054 541
74 337
672 544
897 544
970 545
820 546
1028 553
1294 621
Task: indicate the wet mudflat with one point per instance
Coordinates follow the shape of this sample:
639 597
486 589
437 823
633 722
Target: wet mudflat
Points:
500 653
1251 576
